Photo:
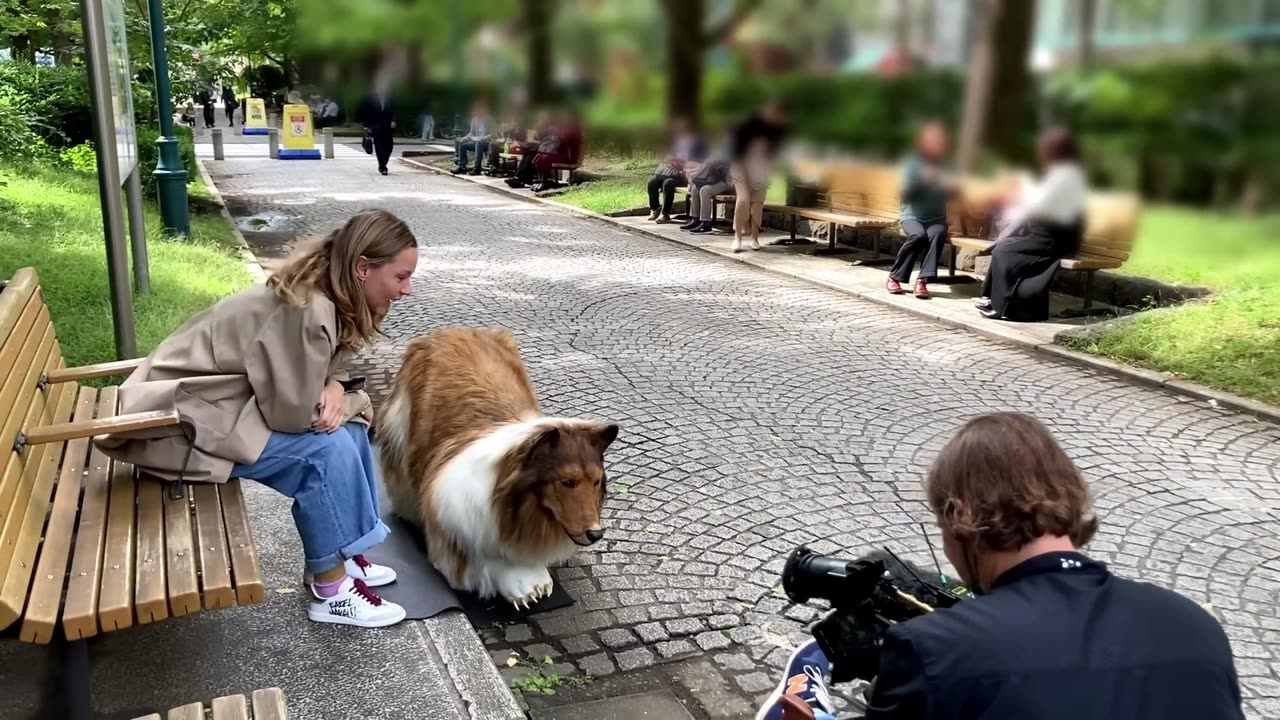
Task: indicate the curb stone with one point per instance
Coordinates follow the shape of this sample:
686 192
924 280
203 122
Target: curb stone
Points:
250 260
1214 398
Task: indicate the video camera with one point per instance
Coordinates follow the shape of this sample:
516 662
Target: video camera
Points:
867 596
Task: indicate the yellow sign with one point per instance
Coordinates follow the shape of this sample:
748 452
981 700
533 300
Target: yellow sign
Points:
255 117
297 128
299 139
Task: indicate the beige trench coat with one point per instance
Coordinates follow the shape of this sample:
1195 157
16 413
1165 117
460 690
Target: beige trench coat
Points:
247 366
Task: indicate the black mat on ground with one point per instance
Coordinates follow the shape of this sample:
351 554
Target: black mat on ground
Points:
423 592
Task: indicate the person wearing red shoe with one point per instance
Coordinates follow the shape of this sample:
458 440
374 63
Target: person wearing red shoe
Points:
925 190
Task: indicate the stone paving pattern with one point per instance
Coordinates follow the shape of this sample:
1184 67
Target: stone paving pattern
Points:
759 413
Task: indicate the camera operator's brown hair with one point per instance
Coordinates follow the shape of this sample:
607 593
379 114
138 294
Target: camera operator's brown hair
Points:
1003 481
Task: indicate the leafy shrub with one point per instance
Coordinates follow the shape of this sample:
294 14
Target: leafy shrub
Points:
18 143
81 158
56 99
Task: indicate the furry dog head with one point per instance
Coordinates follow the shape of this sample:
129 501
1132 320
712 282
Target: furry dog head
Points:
558 472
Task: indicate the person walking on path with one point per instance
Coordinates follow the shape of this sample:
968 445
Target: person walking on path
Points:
378 115
925 192
229 104
260 381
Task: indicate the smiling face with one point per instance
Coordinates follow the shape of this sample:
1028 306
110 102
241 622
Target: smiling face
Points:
385 283
565 468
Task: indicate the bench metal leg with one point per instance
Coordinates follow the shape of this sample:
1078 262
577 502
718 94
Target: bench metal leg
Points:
1086 310
952 278
69 682
831 248
794 239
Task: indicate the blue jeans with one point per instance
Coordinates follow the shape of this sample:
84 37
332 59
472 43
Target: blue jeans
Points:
464 148
331 478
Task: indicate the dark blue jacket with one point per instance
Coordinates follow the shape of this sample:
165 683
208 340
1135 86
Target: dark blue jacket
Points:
1059 637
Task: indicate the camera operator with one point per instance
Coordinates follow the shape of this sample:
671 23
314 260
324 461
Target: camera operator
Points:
1053 634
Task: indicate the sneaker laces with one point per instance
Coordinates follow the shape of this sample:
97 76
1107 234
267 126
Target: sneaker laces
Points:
369 595
818 688
361 562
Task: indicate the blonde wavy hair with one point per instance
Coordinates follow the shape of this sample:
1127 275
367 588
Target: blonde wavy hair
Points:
327 266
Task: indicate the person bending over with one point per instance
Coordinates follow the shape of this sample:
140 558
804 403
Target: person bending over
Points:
1051 634
260 380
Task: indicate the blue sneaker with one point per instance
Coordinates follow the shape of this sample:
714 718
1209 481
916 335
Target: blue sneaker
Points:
805 680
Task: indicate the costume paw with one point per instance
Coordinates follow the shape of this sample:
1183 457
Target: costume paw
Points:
524 586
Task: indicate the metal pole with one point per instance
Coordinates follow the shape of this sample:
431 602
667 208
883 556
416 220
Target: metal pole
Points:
95 39
138 233
218 153
328 143
273 143
171 176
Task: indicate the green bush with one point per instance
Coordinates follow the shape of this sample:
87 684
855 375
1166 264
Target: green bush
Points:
56 99
18 143
81 158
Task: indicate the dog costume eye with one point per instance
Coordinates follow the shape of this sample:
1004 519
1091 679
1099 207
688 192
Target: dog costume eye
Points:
568 483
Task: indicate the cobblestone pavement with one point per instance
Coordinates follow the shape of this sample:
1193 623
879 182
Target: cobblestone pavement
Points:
760 413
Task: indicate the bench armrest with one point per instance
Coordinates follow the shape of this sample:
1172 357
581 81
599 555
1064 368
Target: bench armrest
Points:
89 372
131 422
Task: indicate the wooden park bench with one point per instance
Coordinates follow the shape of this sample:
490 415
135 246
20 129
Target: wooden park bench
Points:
856 195
265 705
87 546
1111 223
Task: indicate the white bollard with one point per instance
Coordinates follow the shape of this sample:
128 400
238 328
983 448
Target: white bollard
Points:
328 143
273 142
217 145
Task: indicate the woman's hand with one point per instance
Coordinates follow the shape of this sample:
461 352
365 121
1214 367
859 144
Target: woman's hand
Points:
332 407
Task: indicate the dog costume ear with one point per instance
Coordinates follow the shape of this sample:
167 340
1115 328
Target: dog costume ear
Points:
605 435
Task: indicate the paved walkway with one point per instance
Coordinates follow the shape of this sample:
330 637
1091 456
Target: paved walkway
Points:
760 412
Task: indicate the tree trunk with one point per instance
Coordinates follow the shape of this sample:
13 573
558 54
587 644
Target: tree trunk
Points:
995 111
537 26
1088 11
21 48
685 48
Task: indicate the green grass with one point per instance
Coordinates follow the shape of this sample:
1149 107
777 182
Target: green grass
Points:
1230 341
625 187
52 221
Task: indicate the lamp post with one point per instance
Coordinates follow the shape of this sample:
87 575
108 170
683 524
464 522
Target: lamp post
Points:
171 176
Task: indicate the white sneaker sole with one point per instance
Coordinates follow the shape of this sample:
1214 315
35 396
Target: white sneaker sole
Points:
388 621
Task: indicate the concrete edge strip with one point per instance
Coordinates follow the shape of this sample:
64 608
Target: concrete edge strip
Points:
250 260
1217 398
469 667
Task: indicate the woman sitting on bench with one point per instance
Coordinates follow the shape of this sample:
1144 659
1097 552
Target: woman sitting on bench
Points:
686 148
259 380
1043 223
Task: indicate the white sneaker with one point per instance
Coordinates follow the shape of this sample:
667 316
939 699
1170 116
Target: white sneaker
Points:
372 574
653 215
354 604
755 243
736 245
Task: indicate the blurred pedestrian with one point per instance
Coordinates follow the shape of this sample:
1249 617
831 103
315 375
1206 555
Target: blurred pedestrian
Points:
756 144
925 191
1043 221
229 104
477 138
686 147
378 115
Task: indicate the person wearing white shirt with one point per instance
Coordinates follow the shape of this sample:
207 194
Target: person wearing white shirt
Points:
1043 222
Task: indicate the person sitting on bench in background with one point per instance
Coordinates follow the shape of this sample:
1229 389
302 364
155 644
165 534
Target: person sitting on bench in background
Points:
568 151
687 147
542 130
477 138
1042 222
260 380
925 191
711 179
511 131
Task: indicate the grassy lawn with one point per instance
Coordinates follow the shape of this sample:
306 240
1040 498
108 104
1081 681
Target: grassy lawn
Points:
1232 340
52 221
624 186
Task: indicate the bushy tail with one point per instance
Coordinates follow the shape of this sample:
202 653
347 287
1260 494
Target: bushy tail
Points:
394 423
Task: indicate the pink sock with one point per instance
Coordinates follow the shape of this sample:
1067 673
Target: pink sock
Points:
328 589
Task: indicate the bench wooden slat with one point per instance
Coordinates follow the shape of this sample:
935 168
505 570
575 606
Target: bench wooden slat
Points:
103 426
151 599
17 298
244 556
23 528
41 617
115 604
80 618
215 573
18 396
90 372
194 711
268 704
231 707
180 555
16 336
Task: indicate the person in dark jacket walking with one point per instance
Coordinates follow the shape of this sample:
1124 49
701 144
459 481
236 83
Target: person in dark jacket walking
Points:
378 115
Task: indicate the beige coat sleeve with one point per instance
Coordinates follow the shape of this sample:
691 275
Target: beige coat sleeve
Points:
288 366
